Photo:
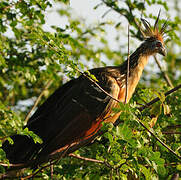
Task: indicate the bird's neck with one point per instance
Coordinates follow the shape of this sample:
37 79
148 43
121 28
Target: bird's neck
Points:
138 60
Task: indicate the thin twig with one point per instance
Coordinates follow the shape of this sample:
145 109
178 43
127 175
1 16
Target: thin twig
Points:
95 161
127 74
7 176
34 174
170 132
106 13
174 126
10 165
167 79
51 171
86 159
37 100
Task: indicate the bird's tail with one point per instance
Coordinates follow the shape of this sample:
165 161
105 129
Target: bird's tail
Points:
21 151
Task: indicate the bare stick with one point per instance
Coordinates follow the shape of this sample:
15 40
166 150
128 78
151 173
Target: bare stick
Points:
37 100
127 75
167 79
43 167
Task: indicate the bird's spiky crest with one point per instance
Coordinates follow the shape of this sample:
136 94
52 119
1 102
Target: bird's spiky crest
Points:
153 31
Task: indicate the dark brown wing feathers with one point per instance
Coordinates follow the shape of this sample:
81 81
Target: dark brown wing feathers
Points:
73 113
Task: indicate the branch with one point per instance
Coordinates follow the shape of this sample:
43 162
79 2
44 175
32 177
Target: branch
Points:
110 5
149 104
35 173
106 13
157 99
161 142
38 100
167 79
95 161
123 13
174 126
10 165
170 132
8 176
86 159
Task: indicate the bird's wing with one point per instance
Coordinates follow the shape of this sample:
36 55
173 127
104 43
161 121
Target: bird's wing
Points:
73 112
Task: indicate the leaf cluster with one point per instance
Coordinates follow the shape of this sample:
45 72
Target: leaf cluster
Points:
31 56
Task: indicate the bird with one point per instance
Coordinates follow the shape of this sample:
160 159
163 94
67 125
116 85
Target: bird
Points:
76 110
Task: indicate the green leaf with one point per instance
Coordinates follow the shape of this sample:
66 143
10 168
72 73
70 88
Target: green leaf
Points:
146 172
32 134
178 167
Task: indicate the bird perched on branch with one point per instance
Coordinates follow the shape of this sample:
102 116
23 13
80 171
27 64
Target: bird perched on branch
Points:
74 112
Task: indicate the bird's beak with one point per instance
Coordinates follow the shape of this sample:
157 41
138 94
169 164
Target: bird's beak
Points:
162 51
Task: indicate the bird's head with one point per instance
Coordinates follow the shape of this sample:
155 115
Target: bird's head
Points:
153 37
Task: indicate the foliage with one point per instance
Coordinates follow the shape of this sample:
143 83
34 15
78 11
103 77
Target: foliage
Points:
31 56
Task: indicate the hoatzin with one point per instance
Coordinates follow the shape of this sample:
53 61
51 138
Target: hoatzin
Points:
75 111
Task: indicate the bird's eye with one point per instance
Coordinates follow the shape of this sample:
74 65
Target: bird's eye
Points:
158 44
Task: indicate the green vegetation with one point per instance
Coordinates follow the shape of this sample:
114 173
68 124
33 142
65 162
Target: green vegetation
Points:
31 58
